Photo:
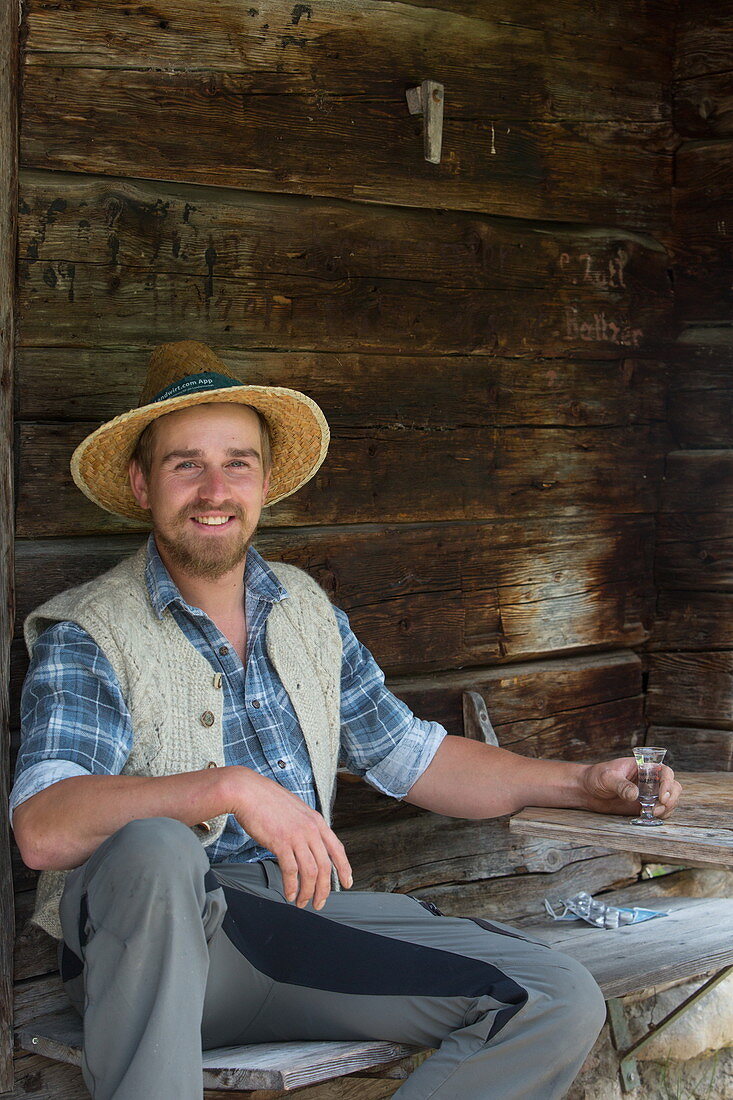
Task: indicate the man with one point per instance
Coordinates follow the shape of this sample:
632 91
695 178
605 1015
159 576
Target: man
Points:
183 717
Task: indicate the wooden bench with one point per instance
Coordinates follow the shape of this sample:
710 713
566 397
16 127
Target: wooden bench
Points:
695 939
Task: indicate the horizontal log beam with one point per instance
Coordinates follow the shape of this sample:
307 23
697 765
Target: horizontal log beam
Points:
698 481
129 263
556 48
694 550
413 474
358 390
519 895
526 128
693 621
492 592
693 749
704 39
691 689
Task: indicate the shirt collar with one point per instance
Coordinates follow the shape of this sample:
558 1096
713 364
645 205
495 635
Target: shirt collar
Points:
259 581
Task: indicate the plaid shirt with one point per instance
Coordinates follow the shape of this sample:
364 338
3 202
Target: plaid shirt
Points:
75 720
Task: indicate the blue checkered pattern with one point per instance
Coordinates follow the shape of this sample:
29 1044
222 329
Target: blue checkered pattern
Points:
75 720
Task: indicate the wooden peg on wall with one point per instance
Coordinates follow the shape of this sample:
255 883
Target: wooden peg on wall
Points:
427 99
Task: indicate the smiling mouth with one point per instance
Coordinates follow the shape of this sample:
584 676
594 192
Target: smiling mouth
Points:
212 521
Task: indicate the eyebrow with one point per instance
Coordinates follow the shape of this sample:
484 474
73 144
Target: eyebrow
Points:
195 452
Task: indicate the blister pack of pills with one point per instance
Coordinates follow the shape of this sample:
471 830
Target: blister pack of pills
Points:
583 906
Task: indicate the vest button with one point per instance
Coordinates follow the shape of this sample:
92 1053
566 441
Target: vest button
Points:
207 718
212 764
255 703
205 826
217 680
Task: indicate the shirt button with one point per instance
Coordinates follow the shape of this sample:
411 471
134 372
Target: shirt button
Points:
255 703
223 650
207 718
281 764
217 680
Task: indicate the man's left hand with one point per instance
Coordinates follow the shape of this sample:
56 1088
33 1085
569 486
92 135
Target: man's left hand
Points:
612 788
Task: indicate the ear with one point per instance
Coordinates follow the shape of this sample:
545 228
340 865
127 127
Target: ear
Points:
265 486
138 484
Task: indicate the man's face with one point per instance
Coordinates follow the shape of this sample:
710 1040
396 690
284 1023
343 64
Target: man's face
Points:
206 487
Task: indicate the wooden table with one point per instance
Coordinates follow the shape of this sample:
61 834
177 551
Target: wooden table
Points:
700 832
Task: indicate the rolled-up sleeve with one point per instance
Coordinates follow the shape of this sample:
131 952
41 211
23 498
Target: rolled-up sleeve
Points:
74 719
381 739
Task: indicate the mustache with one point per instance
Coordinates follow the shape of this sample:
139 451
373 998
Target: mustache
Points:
203 506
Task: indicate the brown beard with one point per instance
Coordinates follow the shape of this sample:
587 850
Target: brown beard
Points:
207 562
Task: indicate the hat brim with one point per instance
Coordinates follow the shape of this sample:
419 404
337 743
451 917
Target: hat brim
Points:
298 430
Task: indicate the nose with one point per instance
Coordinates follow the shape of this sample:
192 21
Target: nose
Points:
213 486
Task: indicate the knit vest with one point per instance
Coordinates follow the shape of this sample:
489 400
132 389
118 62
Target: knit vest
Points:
174 696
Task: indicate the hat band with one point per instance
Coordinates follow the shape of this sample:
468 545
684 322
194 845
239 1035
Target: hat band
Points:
195 383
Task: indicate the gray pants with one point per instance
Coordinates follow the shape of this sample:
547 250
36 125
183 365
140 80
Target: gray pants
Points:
164 954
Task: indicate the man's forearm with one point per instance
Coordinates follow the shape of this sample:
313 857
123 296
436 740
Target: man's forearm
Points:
470 779
61 826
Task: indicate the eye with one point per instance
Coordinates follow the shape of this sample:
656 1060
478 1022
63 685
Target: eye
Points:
185 465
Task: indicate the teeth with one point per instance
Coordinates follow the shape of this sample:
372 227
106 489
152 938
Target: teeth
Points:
212 521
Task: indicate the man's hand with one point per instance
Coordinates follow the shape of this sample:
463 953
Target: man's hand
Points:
612 785
298 836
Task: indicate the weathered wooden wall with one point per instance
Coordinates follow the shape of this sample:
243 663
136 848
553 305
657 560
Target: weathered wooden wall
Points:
690 700
8 219
487 337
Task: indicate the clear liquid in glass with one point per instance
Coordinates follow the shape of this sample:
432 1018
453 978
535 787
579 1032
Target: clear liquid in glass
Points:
649 771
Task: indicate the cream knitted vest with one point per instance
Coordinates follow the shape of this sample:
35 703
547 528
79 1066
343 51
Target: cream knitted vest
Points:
175 697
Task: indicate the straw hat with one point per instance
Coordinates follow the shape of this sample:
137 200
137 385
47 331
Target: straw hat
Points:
188 373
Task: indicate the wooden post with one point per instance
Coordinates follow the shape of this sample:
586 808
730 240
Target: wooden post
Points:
8 225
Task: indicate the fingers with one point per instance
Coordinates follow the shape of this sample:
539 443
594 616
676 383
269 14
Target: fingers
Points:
308 874
288 865
669 793
305 847
322 883
339 859
306 866
627 790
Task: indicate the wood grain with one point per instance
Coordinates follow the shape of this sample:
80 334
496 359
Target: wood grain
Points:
370 475
694 939
358 390
700 831
691 688
8 225
701 397
505 899
258 118
261 1066
122 263
83 34
704 104
704 40
504 589
428 850
695 551
703 228
692 749
698 481
694 621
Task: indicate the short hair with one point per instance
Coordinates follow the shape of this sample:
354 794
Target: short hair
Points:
143 453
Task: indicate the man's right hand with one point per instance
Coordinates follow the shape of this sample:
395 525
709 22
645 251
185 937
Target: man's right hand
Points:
303 844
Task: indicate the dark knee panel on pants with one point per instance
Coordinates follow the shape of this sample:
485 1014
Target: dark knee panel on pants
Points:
298 947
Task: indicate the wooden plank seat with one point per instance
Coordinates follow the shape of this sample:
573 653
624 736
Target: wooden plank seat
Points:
276 1066
696 938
